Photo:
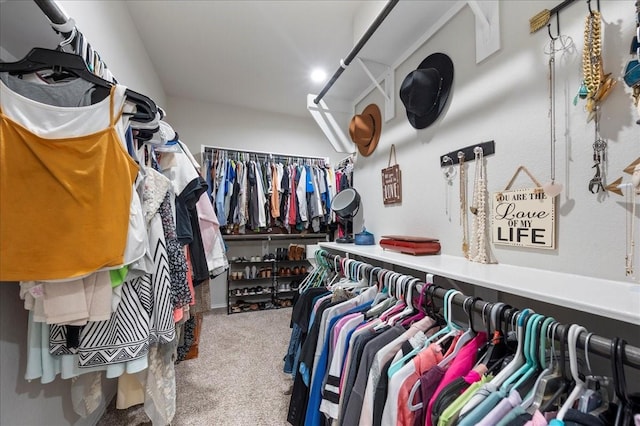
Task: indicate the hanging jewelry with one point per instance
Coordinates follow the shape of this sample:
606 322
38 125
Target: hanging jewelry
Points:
599 148
552 189
478 250
449 172
630 192
463 206
596 86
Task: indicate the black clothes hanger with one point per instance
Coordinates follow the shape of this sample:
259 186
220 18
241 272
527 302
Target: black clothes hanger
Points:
628 404
38 59
497 350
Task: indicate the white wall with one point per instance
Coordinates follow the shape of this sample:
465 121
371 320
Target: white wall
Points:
232 127
111 32
505 98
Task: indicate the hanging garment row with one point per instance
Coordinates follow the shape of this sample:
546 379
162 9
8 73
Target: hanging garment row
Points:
109 273
263 192
371 346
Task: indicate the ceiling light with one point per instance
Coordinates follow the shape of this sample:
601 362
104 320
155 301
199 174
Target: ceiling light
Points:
318 75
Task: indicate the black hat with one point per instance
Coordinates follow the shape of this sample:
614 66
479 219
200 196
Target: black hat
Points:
424 91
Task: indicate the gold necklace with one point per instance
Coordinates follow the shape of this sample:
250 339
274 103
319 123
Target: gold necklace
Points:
592 58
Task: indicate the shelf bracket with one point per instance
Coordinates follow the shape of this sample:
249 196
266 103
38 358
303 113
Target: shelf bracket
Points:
487 15
324 117
387 91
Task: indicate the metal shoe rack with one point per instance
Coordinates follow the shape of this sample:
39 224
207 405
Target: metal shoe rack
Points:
263 272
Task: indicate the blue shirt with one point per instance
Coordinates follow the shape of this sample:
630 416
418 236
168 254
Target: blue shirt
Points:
314 417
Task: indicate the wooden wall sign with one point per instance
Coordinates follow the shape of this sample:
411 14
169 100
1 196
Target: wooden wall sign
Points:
523 218
392 181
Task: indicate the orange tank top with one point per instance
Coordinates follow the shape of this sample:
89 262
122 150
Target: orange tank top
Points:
64 202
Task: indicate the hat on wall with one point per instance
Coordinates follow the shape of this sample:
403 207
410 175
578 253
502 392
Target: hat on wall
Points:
425 90
365 129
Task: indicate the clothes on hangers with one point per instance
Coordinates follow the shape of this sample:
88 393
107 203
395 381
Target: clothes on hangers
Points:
439 377
112 290
262 192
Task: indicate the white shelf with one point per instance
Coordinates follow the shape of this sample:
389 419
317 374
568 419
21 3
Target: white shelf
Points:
618 300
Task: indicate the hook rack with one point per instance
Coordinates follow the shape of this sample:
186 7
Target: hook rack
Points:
451 158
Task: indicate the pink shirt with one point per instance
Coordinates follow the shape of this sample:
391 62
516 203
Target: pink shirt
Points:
537 420
459 367
423 362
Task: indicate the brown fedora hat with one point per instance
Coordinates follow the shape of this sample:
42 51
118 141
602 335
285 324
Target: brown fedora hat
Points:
365 129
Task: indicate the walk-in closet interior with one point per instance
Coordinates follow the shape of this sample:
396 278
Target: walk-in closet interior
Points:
312 213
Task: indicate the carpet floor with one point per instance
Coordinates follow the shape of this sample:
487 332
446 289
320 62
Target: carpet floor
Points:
236 380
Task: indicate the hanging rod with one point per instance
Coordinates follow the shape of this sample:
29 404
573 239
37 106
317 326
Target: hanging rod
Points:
51 9
344 63
208 148
597 345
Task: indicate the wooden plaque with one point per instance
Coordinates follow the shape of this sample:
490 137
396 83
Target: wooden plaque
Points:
391 185
524 218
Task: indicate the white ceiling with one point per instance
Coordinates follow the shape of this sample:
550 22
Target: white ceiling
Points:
259 54
255 54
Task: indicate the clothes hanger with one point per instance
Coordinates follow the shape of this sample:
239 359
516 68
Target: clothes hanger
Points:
448 297
391 279
532 365
419 310
466 336
39 59
496 348
565 382
340 275
318 274
580 385
406 294
628 405
536 394
463 340
519 359
482 404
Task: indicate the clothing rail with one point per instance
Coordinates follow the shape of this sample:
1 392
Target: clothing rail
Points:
52 11
344 63
350 159
597 345
209 149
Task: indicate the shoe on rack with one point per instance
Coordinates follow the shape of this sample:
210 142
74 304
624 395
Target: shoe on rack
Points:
245 291
254 272
295 285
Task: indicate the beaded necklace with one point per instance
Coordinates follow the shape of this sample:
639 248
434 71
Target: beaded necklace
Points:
478 251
